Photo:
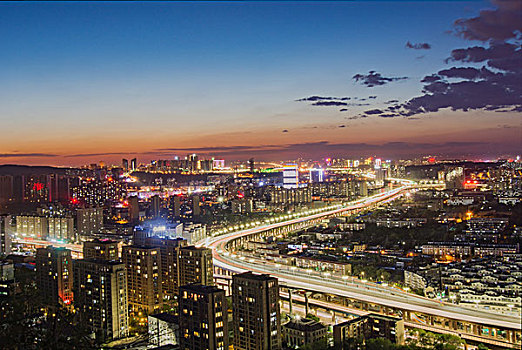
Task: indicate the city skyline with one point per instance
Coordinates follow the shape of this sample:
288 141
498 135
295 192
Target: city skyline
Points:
86 82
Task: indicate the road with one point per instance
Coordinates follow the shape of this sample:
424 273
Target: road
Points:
368 292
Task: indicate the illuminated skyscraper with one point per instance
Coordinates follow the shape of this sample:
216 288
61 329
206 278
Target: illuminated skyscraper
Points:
89 220
255 305
203 321
169 251
100 297
54 275
195 266
155 206
175 204
134 209
5 234
144 286
98 249
196 210
290 176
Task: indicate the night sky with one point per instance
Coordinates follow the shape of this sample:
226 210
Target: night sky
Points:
85 82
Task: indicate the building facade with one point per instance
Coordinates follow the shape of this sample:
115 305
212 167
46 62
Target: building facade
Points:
195 266
256 314
203 319
100 297
144 287
54 275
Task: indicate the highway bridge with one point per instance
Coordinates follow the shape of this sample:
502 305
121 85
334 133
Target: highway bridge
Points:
342 292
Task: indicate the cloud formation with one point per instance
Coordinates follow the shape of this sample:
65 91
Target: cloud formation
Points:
486 77
326 148
329 101
26 155
323 98
375 79
500 24
418 46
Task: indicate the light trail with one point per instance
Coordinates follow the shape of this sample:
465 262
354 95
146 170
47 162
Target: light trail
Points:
368 292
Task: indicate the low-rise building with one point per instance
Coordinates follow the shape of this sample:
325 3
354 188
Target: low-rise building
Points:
303 331
370 326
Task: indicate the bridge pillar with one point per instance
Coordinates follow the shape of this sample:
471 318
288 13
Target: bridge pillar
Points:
290 300
307 306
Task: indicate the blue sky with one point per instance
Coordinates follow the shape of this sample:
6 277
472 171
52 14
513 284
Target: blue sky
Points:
83 77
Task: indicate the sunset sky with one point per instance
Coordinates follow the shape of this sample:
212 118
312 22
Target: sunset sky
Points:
86 82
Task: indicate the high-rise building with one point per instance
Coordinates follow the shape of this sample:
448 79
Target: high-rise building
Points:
101 249
89 220
100 297
155 206
255 305
125 164
134 209
363 189
290 176
175 204
380 176
6 188
32 226
203 320
169 251
144 286
196 210
55 227
195 266
134 164
5 234
54 275
61 228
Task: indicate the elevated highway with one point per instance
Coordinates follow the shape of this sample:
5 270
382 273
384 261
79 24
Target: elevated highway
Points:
491 327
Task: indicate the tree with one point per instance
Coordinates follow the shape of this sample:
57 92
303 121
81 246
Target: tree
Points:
379 344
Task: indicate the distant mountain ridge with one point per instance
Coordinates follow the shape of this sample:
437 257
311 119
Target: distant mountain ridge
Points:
14 169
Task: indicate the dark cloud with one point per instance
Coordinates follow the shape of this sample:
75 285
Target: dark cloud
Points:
205 149
342 126
325 148
373 111
389 115
420 57
501 23
329 103
358 104
323 98
99 154
372 97
391 101
27 155
343 109
285 130
493 83
418 46
375 79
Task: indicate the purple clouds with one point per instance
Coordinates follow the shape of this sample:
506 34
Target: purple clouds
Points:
375 79
418 46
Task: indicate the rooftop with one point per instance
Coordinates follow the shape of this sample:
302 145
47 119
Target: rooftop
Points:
252 276
166 317
304 324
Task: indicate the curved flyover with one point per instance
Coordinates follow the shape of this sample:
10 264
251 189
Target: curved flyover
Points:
368 292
